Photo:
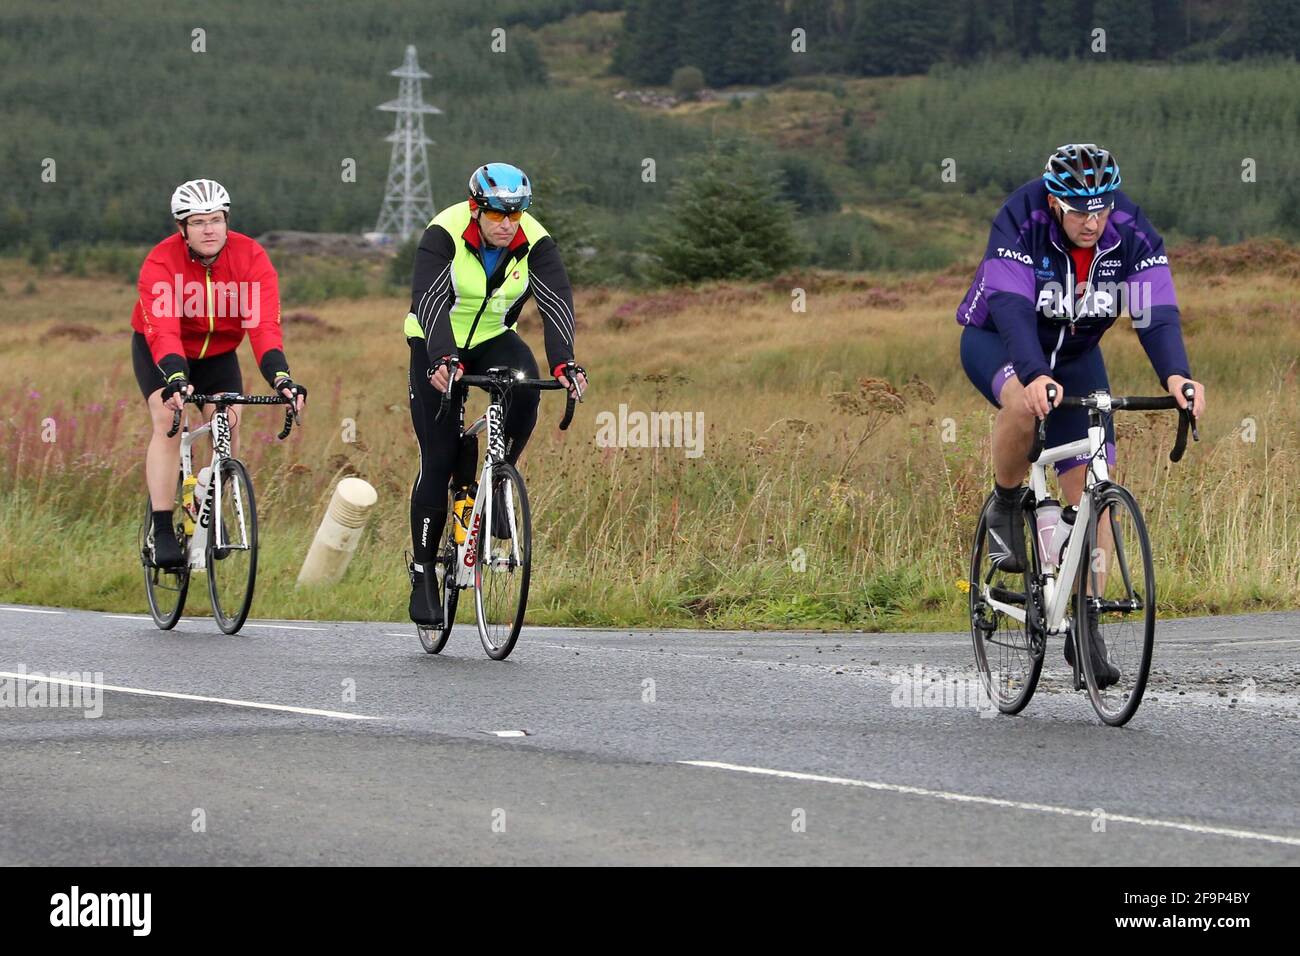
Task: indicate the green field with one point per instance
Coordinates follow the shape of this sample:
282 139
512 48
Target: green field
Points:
798 453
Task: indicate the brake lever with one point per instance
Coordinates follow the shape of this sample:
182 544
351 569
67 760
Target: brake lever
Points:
452 363
1189 393
290 419
1040 436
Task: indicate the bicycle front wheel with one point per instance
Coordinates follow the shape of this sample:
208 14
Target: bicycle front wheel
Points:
1117 586
232 548
165 588
1008 651
503 564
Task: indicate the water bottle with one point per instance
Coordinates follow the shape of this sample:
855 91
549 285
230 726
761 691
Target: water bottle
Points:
187 503
201 488
1047 517
460 512
1061 534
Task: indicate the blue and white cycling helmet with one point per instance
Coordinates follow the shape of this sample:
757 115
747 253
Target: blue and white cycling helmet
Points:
500 186
1083 175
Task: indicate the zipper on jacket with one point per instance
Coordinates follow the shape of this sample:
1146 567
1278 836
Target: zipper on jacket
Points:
503 265
1069 289
208 283
1097 256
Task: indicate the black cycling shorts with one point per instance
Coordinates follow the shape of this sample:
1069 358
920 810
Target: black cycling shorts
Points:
988 365
217 373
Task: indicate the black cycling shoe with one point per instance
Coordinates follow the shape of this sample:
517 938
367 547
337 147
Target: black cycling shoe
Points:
167 551
1105 672
1005 527
419 609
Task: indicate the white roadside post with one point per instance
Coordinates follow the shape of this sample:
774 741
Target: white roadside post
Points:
338 534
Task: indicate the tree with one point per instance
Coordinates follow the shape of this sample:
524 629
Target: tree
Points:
805 186
1170 26
1273 26
756 51
648 47
725 220
1129 26
731 41
687 82
893 38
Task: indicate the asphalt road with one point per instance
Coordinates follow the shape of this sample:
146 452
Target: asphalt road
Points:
343 743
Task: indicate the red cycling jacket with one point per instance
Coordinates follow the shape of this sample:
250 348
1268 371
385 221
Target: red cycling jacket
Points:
187 311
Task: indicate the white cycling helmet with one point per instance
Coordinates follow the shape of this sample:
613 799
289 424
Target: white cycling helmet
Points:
199 196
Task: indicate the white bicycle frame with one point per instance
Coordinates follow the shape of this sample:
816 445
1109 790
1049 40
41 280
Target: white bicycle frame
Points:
1058 584
219 428
469 552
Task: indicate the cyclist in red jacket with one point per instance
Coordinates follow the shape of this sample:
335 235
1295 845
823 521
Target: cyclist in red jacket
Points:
200 290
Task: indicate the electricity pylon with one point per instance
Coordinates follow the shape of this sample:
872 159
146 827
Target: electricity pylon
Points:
408 200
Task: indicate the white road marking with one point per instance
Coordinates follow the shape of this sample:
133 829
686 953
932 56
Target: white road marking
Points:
508 733
128 617
29 610
1280 640
288 627
996 802
173 695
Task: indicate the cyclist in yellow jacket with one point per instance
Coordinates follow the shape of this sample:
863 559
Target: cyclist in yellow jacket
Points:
477 264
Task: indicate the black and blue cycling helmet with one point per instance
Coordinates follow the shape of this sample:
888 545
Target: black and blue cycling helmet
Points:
1083 175
500 186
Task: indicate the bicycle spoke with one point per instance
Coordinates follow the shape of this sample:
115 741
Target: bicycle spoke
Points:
502 572
165 589
1008 653
232 567
1120 607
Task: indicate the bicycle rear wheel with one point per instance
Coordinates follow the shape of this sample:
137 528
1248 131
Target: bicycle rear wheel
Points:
232 548
1008 652
1118 588
165 588
503 564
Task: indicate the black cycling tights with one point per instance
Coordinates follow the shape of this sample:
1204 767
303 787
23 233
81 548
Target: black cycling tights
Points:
440 453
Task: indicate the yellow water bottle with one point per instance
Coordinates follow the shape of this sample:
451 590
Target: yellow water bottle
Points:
460 512
187 502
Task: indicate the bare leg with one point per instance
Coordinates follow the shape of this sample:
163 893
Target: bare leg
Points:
1013 436
163 459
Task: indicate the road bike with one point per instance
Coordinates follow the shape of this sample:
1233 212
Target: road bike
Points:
489 545
1097 558
216 525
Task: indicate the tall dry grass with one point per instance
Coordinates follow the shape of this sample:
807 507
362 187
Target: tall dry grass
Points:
844 440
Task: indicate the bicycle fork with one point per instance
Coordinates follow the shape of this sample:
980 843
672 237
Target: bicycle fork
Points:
471 552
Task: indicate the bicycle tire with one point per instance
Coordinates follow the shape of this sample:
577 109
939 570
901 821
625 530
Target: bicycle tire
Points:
499 637
232 469
1117 704
433 640
1010 692
166 612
